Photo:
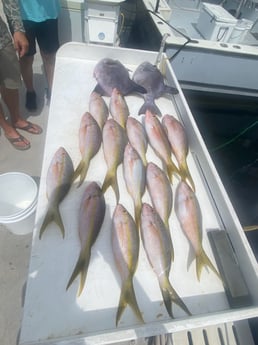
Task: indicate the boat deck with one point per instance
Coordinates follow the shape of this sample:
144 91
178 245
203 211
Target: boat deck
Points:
15 250
185 14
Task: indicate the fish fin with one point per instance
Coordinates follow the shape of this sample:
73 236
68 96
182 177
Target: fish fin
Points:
137 213
115 188
185 175
47 220
99 90
81 268
170 89
77 171
151 106
170 295
111 180
172 169
137 88
202 260
144 160
52 215
83 172
107 181
128 297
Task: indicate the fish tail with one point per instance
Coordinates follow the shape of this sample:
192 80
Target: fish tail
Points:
107 181
166 223
137 213
128 297
151 106
77 171
172 169
185 175
144 160
52 215
203 260
116 189
81 171
170 295
81 268
111 180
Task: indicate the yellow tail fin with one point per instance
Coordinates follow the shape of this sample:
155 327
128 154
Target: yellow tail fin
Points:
81 171
52 215
128 297
111 180
203 260
81 268
171 169
169 295
185 175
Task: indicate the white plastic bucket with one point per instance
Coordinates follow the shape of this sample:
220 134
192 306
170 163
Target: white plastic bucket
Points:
18 201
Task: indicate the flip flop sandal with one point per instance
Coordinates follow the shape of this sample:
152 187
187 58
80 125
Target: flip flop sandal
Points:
30 128
15 141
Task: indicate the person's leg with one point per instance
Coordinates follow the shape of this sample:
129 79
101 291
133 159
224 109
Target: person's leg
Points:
18 141
11 99
47 37
49 66
10 82
10 77
26 65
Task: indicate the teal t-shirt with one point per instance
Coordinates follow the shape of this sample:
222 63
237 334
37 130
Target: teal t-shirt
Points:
39 10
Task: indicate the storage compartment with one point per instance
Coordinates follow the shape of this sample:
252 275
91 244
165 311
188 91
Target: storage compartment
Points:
101 20
101 31
215 23
55 316
240 30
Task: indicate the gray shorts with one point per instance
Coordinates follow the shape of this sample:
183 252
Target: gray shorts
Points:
10 76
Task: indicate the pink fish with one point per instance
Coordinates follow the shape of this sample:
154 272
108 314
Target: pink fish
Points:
179 145
160 191
158 247
159 142
89 144
59 180
125 244
91 216
118 107
98 109
114 141
188 213
137 137
135 177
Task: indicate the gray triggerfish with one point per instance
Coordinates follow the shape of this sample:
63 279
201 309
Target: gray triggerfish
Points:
112 74
149 76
